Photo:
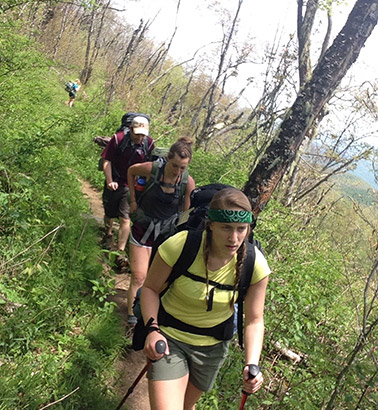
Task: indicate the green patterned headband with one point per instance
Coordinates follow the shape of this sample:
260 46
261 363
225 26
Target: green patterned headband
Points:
228 215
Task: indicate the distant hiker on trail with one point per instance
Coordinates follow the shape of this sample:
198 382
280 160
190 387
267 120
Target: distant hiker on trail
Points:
195 314
127 147
166 193
72 87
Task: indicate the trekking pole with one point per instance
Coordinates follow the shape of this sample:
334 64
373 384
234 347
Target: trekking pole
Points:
160 348
253 371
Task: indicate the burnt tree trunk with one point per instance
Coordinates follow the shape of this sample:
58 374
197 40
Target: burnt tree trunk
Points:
304 28
313 95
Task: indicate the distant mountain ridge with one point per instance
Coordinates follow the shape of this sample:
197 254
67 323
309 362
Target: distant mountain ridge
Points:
357 188
363 171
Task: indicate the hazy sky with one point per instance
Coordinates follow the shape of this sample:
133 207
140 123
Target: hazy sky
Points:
197 26
262 21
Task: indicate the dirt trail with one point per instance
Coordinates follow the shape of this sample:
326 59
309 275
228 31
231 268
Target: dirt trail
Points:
129 366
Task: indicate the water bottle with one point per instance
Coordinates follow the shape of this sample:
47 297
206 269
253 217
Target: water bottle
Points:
139 186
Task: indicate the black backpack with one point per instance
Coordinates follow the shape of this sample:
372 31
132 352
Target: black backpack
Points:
127 119
196 215
200 199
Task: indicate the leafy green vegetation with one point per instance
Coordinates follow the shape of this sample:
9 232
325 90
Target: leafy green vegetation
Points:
58 332
307 313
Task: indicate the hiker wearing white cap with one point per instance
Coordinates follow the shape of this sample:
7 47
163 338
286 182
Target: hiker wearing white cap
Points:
127 147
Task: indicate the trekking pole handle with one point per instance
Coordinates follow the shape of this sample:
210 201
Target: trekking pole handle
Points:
253 371
160 346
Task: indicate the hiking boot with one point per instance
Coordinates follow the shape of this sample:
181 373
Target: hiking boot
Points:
107 241
131 320
121 262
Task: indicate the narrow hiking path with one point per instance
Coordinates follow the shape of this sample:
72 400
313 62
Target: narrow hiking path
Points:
129 366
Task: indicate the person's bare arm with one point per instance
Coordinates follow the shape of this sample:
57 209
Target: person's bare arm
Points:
110 184
254 331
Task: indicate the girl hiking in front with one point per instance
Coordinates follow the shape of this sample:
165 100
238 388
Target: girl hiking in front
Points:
193 316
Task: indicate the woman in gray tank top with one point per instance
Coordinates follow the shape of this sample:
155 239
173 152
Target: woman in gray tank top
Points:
162 201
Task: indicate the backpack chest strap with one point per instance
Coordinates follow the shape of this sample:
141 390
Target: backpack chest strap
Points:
213 284
179 187
167 184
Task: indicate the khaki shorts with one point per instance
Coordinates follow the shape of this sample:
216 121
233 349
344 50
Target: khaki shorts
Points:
201 362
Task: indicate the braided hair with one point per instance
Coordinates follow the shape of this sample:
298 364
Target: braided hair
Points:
227 198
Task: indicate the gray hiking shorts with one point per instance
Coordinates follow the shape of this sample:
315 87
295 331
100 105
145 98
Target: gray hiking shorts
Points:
201 362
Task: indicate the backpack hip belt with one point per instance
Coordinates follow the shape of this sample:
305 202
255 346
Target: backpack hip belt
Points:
222 331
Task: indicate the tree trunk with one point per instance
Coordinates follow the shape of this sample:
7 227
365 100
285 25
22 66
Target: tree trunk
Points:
214 93
136 38
315 93
96 47
304 28
84 76
61 31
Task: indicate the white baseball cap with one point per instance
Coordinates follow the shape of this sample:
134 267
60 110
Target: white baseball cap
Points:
140 125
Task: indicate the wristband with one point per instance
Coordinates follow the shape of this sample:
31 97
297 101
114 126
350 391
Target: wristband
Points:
150 327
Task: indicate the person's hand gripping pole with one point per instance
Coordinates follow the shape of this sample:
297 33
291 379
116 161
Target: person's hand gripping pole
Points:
252 371
153 337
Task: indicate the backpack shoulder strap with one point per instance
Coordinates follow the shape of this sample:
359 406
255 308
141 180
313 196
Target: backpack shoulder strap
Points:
258 246
145 147
245 280
247 269
125 142
156 170
187 256
183 184
116 140
150 147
